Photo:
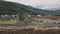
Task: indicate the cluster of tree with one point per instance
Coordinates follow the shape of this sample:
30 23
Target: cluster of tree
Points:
11 7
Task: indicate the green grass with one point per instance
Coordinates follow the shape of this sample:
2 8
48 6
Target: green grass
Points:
7 21
31 23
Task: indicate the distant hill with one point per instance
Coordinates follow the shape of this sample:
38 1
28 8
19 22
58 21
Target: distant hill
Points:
10 6
45 12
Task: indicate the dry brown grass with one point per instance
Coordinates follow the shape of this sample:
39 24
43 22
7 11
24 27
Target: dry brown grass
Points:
30 31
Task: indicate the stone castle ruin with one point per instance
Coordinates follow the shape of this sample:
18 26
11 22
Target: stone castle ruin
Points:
22 17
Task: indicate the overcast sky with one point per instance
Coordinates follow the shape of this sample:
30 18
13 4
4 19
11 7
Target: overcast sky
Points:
43 4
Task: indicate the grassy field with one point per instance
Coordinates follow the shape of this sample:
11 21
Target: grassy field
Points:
7 21
32 23
13 21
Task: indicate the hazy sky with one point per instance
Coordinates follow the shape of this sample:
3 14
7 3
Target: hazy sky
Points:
43 4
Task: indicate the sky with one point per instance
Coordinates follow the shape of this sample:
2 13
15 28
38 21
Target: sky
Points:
42 4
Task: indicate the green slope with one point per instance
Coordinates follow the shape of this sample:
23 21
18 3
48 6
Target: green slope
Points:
46 12
11 7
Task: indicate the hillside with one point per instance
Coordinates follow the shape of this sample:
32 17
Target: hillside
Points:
44 12
11 6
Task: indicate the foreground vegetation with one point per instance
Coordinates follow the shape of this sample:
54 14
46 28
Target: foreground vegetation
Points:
30 31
